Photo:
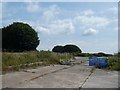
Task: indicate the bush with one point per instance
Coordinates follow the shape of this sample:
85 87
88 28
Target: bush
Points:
113 63
100 54
84 55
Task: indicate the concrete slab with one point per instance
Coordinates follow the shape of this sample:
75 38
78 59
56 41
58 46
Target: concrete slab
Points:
20 77
54 76
0 82
67 78
102 79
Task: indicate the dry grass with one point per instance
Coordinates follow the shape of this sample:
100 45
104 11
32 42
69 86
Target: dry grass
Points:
17 61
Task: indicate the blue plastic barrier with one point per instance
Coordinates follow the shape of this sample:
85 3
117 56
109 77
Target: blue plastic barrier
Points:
97 62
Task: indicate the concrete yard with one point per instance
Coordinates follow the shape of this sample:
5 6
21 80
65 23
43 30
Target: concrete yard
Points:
62 76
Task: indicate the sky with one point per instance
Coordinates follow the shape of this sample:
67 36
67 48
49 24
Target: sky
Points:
92 26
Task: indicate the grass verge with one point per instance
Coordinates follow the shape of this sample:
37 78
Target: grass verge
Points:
33 59
113 63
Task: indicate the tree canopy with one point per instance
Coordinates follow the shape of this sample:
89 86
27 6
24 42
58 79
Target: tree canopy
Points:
59 49
67 49
19 37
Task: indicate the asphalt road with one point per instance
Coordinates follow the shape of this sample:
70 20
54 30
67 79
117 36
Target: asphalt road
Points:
62 76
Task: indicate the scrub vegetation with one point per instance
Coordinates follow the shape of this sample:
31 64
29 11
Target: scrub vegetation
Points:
114 62
17 61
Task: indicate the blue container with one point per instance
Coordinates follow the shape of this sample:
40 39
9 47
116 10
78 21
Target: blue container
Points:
97 62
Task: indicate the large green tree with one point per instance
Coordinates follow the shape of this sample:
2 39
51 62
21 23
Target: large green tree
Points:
72 49
67 49
19 37
59 49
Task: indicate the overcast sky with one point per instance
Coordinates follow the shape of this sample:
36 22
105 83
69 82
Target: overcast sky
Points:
90 25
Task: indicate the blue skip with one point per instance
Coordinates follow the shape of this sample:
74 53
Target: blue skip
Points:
101 62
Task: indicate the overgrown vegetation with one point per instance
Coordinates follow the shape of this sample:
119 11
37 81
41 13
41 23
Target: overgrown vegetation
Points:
114 62
17 61
100 54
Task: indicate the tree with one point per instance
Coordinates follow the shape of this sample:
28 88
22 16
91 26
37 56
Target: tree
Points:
59 49
101 54
72 49
67 49
19 37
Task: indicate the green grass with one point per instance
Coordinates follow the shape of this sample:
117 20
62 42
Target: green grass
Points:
17 61
113 63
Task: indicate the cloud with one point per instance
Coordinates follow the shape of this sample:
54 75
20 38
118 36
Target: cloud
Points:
0 10
50 13
51 25
91 21
113 10
32 7
57 27
116 28
90 31
0 15
50 21
88 12
97 45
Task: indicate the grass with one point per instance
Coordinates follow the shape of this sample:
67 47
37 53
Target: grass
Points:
113 63
17 61
33 59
